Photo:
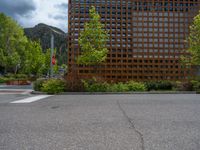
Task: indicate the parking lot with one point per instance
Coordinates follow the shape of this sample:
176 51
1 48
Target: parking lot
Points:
100 122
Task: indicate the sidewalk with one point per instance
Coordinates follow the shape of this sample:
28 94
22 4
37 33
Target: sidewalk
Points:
13 89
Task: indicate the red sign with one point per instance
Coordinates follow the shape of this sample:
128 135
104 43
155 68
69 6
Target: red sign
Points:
53 60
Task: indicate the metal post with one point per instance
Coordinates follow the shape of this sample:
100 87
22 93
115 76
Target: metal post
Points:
52 49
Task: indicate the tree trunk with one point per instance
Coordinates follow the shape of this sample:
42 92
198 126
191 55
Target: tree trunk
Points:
15 72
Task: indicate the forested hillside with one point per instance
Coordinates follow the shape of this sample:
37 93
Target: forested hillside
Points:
42 33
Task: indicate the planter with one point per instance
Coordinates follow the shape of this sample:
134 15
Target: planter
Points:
18 82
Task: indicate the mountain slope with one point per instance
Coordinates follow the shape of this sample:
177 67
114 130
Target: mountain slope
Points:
42 33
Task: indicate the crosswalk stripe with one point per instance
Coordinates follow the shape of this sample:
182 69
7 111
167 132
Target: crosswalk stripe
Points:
31 99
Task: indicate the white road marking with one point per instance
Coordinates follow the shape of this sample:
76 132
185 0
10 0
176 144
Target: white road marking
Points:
27 92
31 99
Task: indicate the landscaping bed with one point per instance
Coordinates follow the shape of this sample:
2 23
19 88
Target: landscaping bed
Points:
18 82
92 86
15 79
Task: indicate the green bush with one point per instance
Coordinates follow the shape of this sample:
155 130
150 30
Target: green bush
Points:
6 79
187 85
196 85
159 85
136 86
95 86
37 85
53 86
165 85
3 79
118 87
184 86
11 77
151 85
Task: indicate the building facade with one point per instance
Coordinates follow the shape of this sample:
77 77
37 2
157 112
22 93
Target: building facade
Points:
147 38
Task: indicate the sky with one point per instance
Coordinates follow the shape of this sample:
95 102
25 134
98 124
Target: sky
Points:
29 13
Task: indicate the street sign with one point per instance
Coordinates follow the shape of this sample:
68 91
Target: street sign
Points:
53 60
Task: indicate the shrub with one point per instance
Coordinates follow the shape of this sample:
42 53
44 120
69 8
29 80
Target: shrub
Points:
196 85
165 85
151 85
188 85
6 79
159 85
184 86
95 86
136 86
3 79
53 86
118 87
37 85
11 77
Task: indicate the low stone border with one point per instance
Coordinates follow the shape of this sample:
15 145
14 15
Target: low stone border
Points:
120 93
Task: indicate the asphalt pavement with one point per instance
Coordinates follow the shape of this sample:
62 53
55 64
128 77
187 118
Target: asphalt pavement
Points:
101 122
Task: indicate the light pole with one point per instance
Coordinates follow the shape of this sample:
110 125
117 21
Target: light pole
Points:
52 49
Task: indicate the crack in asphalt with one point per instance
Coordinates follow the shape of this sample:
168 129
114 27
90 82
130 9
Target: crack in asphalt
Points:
132 125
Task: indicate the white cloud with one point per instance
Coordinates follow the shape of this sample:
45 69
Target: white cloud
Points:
48 12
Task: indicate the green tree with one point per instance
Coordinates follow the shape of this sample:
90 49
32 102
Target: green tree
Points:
12 45
92 41
194 43
17 53
35 60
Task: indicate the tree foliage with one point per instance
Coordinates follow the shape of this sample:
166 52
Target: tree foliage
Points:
35 60
13 43
92 41
194 42
17 53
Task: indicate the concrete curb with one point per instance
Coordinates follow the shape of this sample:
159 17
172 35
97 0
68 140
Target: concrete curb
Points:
119 93
15 91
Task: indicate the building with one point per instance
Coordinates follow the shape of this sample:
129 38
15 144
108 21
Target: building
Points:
147 38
